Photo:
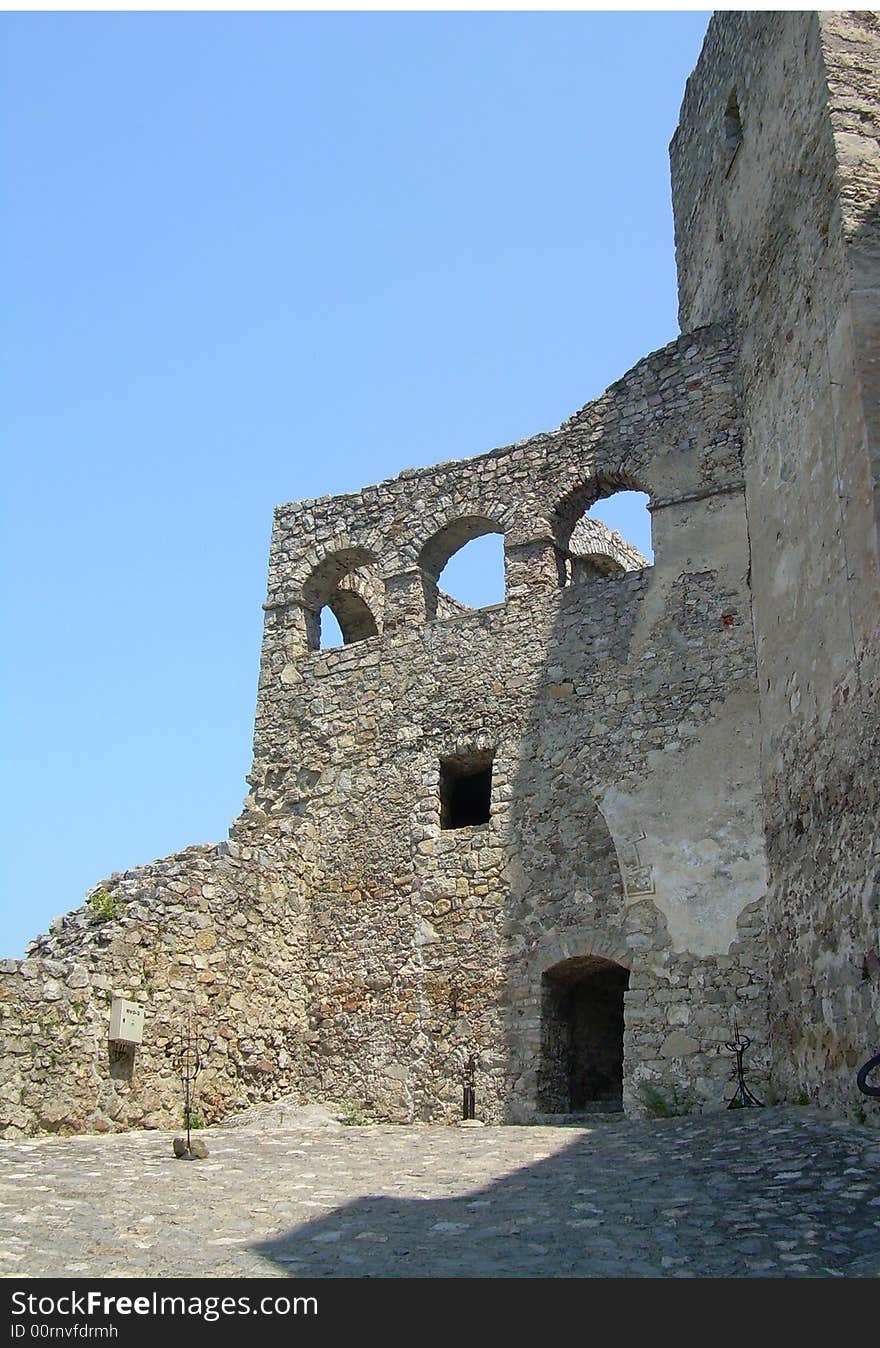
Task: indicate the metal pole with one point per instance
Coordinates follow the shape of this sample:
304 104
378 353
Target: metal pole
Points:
742 1097
187 1050
469 1092
187 1099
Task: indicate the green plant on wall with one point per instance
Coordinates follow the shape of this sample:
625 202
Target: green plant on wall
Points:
103 905
660 1106
352 1115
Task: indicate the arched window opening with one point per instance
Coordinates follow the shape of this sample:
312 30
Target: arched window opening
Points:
330 633
345 618
612 538
468 557
474 576
342 598
626 512
582 1036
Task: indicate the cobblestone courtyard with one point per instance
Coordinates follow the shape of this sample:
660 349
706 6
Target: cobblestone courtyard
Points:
772 1193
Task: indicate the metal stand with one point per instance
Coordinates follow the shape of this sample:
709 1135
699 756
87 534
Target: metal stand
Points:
469 1092
743 1097
189 1050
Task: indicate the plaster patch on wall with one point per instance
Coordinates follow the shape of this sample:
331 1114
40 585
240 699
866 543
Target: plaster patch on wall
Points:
701 853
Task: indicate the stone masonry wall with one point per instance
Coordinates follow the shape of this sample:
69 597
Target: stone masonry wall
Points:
778 232
344 944
211 931
619 713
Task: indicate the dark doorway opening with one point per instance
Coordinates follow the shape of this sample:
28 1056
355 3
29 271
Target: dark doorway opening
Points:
582 1036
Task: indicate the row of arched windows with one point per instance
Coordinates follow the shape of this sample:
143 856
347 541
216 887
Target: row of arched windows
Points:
463 567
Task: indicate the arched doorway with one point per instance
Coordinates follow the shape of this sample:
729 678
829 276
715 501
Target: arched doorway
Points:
582 1035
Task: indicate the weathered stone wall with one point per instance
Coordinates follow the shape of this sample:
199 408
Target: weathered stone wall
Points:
212 931
346 945
619 712
778 232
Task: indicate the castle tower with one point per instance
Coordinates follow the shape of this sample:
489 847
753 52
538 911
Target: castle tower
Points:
776 175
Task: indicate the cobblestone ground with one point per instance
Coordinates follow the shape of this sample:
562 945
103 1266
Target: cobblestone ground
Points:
770 1193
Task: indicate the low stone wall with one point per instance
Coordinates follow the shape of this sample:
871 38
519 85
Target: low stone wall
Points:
200 932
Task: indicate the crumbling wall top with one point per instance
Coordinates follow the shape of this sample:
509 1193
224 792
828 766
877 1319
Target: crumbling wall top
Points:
669 428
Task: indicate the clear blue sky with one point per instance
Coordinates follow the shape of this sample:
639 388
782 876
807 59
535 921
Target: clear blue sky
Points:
249 258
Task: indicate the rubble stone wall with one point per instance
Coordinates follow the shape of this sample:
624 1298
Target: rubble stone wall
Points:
343 943
607 705
212 933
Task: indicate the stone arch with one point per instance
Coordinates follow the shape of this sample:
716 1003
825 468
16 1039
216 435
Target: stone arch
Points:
443 544
354 615
578 498
599 944
596 563
347 582
590 547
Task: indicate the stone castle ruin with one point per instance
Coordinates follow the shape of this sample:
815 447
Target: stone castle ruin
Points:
573 832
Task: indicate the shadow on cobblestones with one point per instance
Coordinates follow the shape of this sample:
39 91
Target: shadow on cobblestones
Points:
766 1193
731 1196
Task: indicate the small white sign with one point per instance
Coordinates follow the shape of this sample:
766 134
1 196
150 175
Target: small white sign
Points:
126 1021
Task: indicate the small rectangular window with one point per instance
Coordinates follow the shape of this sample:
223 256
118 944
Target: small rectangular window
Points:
465 790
